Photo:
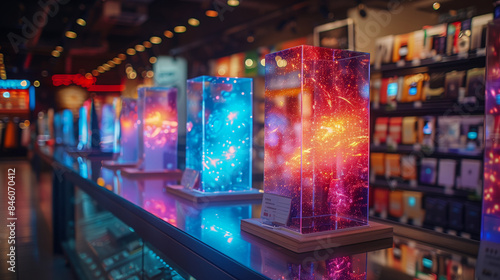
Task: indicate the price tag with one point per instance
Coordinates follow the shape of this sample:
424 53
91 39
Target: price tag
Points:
415 62
465 235
452 232
190 178
438 58
417 104
488 261
438 229
275 209
400 63
481 52
463 55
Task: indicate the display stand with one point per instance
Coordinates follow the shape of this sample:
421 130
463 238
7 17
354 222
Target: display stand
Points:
198 197
301 243
112 164
174 174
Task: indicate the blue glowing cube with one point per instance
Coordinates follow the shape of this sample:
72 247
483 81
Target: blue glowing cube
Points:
219 132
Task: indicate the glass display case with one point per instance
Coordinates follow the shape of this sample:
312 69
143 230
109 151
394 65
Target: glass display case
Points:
219 127
157 114
317 136
129 132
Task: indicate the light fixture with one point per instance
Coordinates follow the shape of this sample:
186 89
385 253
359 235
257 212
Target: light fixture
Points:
193 22
71 34
436 6
117 61
147 44
59 48
55 53
106 67
81 22
250 39
248 62
88 76
130 51
122 56
211 13
100 69
150 74
180 29
111 63
139 48
155 40
168 34
233 3
132 75
95 72
263 62
36 83
153 60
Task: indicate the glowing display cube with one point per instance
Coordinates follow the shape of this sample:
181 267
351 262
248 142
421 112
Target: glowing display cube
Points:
129 132
317 136
219 132
107 128
158 123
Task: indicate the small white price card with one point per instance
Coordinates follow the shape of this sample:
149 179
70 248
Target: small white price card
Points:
275 209
190 178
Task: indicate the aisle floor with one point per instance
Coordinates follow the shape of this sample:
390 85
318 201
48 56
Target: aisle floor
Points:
34 246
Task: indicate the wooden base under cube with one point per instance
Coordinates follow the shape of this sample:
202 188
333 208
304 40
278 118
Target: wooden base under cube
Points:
205 197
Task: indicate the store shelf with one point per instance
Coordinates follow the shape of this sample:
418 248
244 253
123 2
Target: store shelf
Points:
393 184
472 59
459 244
408 149
444 107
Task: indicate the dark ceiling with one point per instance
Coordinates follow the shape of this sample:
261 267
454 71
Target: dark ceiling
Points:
31 29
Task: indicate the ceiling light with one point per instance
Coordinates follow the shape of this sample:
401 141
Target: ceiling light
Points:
211 13
95 72
81 22
180 29
168 34
147 44
88 76
100 69
250 39
59 48
111 63
436 6
71 34
117 61
150 74
193 22
155 40
130 51
233 3
122 56
139 48
55 53
153 60
36 83
106 67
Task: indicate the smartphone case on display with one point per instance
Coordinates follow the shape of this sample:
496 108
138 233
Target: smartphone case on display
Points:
413 206
396 208
472 218
475 82
464 38
378 163
409 167
470 172
446 177
415 45
409 255
456 215
449 132
410 129
395 129
428 171
412 87
478 31
434 87
392 165
472 129
381 127
452 37
426 131
453 82
383 50
435 38
381 201
389 90
427 265
439 215
400 50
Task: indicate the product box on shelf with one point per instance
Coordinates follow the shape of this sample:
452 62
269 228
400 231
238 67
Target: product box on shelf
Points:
413 87
453 35
413 207
381 127
436 210
395 124
434 88
378 164
409 167
446 177
464 38
456 215
475 82
428 169
410 130
454 82
396 204
383 50
472 221
478 31
389 90
435 40
416 45
392 165
470 175
449 132
381 202
427 131
400 49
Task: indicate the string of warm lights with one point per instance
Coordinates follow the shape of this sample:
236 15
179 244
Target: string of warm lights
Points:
3 73
154 40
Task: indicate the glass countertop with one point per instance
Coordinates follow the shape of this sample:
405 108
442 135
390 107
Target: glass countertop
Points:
218 226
